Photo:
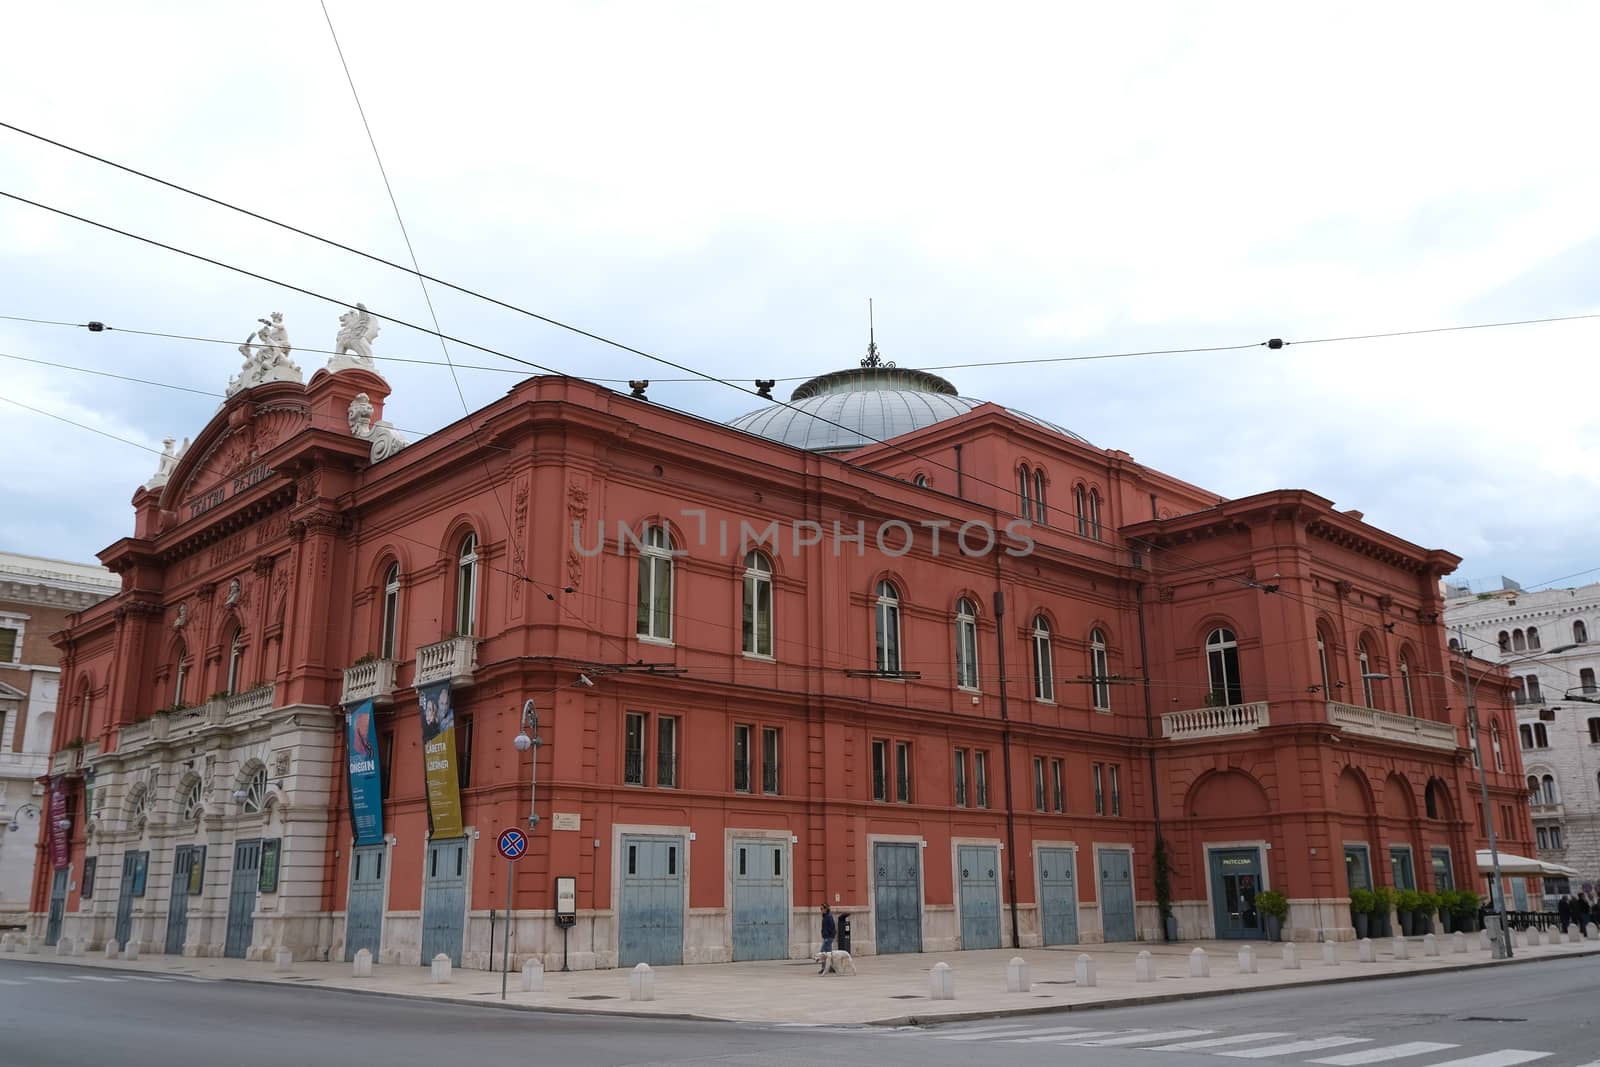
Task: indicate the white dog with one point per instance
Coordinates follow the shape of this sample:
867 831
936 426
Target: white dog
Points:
838 961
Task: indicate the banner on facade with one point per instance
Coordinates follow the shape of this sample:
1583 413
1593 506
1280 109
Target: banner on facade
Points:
56 815
438 719
366 782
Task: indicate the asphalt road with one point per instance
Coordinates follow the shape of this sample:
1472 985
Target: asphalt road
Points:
55 1016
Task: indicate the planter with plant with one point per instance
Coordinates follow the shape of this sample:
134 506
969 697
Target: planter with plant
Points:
1433 904
1465 909
1363 903
1274 908
1169 922
1445 900
1382 924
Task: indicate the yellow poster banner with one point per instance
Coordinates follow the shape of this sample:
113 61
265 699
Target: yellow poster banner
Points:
439 759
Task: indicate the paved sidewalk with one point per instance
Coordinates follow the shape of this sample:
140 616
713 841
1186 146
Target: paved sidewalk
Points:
886 989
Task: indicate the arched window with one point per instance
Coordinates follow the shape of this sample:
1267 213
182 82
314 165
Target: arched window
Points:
235 660
920 481
193 807
1541 736
1494 736
1322 663
886 618
1099 670
1525 732
1586 679
1580 632
467 586
1038 496
180 676
1080 503
391 612
1025 492
1455 645
1044 680
1549 783
1505 641
255 792
1222 667
757 605
1405 685
1533 637
1533 788
1094 514
1519 643
966 644
1430 800
655 584
1364 659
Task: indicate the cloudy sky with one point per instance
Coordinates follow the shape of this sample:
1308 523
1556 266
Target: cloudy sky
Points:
727 184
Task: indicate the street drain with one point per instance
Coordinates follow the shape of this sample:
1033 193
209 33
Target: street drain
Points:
593 996
1490 1019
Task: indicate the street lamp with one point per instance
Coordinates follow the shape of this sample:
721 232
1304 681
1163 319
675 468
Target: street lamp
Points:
27 809
528 738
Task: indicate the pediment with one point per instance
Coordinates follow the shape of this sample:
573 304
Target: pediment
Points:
228 457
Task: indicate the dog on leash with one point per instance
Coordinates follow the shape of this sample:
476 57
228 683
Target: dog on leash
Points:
837 961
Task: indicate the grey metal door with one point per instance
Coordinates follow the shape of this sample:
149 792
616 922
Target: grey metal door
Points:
651 913
1235 881
242 898
58 906
444 899
363 924
980 896
897 898
1116 894
183 862
1058 896
130 869
760 901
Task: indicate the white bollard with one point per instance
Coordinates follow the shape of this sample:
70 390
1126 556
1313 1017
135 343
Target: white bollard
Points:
439 972
1330 954
64 947
8 942
78 946
282 960
1247 960
533 977
1458 942
1199 964
1573 936
112 949
130 951
363 963
1085 970
30 945
1017 980
1144 967
1483 939
1291 957
1430 945
1365 952
1401 948
642 983
1591 931
941 982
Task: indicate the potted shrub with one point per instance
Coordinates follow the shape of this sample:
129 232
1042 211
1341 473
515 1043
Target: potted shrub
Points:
1465 908
1445 901
1274 908
1432 905
1387 899
1363 903
1411 906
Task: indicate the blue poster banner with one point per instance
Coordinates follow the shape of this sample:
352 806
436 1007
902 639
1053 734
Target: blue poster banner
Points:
366 782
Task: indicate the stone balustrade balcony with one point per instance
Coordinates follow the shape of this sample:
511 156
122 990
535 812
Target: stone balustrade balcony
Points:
1549 811
454 658
1215 722
66 761
1370 722
372 680
250 704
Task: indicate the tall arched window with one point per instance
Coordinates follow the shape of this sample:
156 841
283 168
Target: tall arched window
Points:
1505 641
886 625
1038 496
757 605
1099 670
1586 680
1364 658
180 676
1580 632
1222 667
1080 502
1519 643
391 612
655 584
1094 514
966 644
1533 638
235 660
1322 663
1025 492
1405 685
1494 737
1550 794
467 586
1044 681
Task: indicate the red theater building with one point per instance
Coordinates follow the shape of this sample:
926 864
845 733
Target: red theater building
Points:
944 666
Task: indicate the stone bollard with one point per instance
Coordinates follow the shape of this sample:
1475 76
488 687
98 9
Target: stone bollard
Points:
1458 942
1591 931
8 942
79 946
363 963
440 970
1484 940
1144 967
1085 970
130 951
1574 936
533 977
1401 948
1291 957
941 982
30 945
282 960
1430 945
642 982
1365 952
1199 964
1017 980
1330 954
112 948
1247 960
64 947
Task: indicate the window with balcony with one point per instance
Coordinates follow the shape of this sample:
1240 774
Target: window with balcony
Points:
771 746
1116 788
1222 666
886 618
235 661
1405 686
1038 784
902 771
1364 659
467 586
1548 790
391 612
980 777
1058 787
966 644
1099 671
757 605
1098 772
667 751
960 761
741 758
1044 682
633 733
655 584
1322 662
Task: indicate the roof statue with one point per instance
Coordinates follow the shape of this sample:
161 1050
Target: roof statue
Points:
268 361
352 349
167 463
385 439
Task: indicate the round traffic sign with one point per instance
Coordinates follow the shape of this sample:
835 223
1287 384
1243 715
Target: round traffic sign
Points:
512 843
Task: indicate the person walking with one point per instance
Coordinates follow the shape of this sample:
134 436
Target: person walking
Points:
829 930
1582 912
1564 912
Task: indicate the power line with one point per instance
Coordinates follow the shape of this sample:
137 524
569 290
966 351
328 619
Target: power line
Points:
79 425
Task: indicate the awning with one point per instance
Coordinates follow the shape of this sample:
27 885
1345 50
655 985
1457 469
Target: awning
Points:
1557 870
1510 864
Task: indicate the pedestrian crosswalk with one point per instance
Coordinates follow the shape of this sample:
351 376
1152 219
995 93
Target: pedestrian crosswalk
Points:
15 979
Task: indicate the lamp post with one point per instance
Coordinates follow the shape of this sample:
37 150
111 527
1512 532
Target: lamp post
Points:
528 738
27 809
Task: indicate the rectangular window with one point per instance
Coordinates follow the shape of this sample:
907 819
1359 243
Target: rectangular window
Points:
667 751
1594 731
1038 783
633 748
980 777
902 771
1525 732
741 759
1542 838
1058 786
1555 837
966 652
89 865
770 738
1533 690
1116 789
8 645
961 777
463 750
1586 679
880 770
1099 789
386 759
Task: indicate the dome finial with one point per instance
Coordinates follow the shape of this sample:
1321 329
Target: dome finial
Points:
873 359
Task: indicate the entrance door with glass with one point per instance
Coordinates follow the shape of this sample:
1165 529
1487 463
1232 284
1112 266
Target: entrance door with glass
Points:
242 898
58 907
188 871
1235 881
363 924
131 863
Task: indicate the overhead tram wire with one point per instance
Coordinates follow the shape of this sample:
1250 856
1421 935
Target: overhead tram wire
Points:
79 425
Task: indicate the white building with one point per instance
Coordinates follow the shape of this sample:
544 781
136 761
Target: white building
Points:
36 596
1550 643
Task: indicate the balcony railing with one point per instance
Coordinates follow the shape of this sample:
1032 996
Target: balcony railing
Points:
1548 811
1215 722
1371 722
135 734
667 770
633 767
251 704
66 761
454 658
372 680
